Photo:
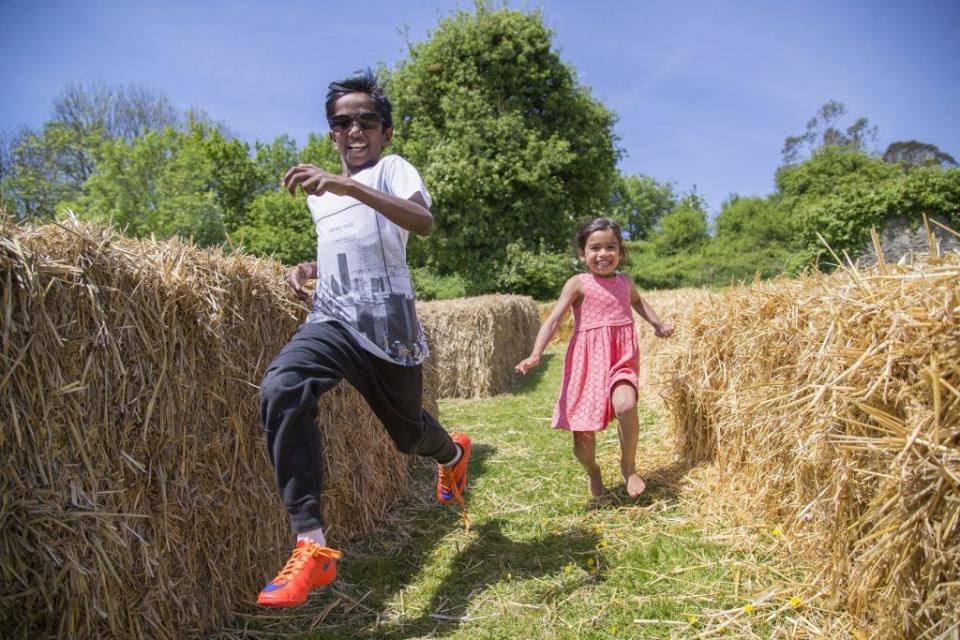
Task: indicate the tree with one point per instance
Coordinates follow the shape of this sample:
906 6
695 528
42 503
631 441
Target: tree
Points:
280 225
639 202
160 184
822 131
52 165
512 148
683 229
911 153
234 177
750 223
113 111
273 160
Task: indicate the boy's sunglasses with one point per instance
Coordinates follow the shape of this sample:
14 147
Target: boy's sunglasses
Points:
368 121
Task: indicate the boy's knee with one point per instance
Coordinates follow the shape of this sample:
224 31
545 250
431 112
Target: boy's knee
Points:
278 384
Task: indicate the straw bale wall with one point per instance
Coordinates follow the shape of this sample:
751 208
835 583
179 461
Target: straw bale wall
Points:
830 405
475 342
137 498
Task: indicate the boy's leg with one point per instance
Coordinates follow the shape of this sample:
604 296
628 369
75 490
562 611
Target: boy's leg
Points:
316 358
585 451
395 393
624 399
313 362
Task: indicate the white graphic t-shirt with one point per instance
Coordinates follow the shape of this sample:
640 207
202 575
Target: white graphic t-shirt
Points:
362 276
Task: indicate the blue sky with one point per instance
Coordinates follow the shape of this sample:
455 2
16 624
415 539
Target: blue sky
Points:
705 91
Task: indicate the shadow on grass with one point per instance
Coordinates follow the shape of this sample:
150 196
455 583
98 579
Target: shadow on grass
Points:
663 485
490 558
523 384
374 572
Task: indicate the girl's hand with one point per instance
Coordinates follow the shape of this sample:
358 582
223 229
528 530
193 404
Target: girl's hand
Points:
663 330
526 364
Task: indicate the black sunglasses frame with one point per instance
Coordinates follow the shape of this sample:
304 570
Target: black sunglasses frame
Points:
366 120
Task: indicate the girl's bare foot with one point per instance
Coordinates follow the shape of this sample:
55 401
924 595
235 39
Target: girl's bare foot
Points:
635 485
596 485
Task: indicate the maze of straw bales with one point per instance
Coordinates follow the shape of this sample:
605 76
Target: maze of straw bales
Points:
137 497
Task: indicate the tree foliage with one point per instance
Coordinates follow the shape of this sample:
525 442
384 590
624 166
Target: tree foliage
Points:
823 130
639 202
911 153
513 148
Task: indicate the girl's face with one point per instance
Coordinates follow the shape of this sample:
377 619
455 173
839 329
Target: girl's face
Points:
601 253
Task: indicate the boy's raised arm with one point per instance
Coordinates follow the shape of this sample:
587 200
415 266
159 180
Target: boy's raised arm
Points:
412 214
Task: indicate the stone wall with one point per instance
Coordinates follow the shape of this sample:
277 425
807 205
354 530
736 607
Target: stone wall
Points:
900 237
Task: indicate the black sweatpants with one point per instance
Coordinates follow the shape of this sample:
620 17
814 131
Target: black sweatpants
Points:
317 357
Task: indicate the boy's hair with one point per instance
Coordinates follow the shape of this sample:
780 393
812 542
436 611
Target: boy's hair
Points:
363 81
598 224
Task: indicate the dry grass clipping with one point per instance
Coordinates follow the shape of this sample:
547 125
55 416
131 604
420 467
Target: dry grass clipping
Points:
137 499
475 342
831 405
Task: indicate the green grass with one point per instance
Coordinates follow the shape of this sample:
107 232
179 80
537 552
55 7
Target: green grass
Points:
542 559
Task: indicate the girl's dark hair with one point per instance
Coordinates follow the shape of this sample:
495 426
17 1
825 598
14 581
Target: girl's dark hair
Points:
598 224
363 81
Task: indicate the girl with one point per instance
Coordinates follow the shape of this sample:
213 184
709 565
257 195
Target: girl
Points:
600 368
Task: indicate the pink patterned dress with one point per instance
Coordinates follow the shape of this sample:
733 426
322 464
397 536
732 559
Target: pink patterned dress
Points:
602 352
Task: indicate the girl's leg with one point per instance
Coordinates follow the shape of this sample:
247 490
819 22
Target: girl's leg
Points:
624 399
585 450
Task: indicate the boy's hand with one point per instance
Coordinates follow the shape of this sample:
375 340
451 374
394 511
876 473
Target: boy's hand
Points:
314 180
526 364
663 330
297 278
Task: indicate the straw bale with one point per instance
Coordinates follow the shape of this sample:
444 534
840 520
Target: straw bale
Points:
475 342
831 405
138 500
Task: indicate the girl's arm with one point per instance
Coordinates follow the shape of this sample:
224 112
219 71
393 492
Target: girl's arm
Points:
572 294
646 312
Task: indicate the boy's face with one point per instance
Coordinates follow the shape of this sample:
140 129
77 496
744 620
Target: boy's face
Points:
358 147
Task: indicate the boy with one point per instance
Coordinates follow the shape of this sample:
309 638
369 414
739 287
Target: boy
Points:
363 326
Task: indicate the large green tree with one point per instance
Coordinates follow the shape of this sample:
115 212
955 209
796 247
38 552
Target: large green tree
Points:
161 183
513 149
639 202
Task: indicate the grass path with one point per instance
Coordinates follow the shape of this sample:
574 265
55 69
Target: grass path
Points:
543 560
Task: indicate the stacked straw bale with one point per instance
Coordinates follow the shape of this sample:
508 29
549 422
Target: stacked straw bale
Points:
831 404
475 342
137 496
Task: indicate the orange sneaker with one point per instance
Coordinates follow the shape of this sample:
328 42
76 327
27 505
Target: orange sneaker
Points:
309 567
453 481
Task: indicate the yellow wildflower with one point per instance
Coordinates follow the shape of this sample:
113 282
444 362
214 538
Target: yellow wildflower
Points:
692 619
747 608
777 532
795 602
